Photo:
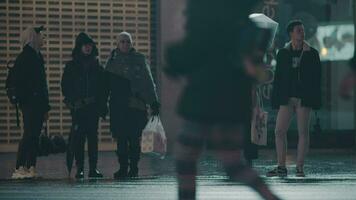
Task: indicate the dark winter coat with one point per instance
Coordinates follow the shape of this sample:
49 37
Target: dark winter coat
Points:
30 80
83 79
130 87
310 78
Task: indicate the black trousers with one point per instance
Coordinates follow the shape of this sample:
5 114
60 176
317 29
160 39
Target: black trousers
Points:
129 139
128 151
28 147
85 127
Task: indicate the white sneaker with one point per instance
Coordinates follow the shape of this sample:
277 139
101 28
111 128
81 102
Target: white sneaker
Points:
32 173
20 173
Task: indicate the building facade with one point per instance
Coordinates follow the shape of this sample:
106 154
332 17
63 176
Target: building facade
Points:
63 20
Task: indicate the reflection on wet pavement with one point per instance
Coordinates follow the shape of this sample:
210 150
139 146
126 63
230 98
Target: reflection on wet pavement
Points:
330 175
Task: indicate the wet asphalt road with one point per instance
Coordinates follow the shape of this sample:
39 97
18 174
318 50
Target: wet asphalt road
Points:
331 175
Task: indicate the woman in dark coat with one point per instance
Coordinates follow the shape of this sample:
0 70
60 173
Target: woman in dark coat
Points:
131 90
216 102
32 93
82 85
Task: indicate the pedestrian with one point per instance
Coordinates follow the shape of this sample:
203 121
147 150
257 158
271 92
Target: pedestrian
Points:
32 94
82 85
216 103
296 89
130 86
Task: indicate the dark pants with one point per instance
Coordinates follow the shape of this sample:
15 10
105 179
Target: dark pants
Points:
85 122
129 139
28 146
128 151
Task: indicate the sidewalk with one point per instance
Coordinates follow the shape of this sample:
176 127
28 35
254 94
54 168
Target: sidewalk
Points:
330 175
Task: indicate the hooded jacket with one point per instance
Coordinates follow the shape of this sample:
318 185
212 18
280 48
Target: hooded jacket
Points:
310 77
83 76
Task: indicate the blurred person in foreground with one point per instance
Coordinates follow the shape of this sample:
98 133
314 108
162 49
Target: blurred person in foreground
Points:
32 94
216 102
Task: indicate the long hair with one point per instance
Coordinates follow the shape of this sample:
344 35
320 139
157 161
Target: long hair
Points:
29 36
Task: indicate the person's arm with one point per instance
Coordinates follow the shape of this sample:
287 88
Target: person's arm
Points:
45 89
104 91
150 94
277 80
66 84
317 83
19 78
353 64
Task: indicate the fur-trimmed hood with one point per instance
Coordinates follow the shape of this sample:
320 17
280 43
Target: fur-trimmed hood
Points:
306 46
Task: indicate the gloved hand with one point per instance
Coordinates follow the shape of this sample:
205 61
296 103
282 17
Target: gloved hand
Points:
103 111
155 108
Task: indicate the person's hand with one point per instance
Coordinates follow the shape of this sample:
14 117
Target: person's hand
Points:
103 112
46 116
154 108
347 85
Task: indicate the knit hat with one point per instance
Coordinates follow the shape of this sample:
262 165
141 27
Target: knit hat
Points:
124 35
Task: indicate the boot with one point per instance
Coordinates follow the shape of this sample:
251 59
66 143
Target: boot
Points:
133 173
121 173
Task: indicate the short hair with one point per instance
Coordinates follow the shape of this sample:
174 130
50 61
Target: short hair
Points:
292 24
126 35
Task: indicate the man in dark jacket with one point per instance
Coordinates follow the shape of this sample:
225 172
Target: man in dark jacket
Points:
82 83
130 85
32 93
296 88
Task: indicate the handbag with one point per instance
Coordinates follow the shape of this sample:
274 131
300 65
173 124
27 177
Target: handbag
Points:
259 122
154 140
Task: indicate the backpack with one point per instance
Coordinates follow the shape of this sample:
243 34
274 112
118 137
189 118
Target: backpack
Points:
10 84
11 92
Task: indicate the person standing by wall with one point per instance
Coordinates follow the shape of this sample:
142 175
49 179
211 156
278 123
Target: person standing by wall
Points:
130 86
82 85
296 89
32 94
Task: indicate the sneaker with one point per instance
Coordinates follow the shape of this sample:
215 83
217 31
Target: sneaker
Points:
32 172
20 173
79 174
299 172
95 174
278 171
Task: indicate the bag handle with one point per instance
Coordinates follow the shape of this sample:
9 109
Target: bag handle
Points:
259 97
45 129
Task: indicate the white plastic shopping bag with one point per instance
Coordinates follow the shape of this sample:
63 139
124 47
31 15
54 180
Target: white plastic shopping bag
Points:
259 123
154 140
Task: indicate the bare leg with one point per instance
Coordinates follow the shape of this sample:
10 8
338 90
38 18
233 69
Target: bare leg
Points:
238 171
188 150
